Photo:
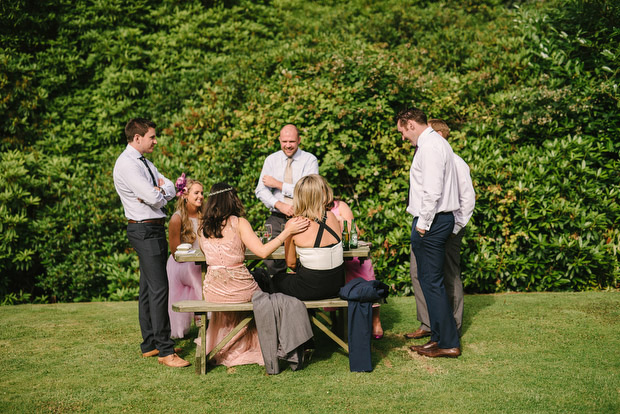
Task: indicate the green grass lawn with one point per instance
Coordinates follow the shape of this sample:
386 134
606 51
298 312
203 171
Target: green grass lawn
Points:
522 353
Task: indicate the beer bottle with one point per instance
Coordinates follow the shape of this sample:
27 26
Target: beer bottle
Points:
345 237
353 238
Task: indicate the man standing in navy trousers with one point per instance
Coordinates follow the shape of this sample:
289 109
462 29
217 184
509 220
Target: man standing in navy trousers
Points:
433 197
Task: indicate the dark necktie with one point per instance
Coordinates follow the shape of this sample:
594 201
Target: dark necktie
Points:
149 170
163 209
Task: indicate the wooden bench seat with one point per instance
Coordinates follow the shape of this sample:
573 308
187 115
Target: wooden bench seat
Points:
338 324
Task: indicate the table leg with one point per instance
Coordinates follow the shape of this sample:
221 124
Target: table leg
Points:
329 333
202 362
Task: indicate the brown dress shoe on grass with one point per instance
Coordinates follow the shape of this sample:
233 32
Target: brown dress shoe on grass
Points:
428 345
419 334
155 352
440 352
173 360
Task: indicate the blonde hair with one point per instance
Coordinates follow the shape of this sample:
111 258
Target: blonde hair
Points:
311 196
440 125
187 230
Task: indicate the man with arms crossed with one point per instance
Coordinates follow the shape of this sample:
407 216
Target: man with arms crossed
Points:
280 173
452 264
143 192
433 197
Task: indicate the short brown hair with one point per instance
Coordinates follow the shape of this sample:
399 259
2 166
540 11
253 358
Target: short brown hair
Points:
138 126
440 125
411 114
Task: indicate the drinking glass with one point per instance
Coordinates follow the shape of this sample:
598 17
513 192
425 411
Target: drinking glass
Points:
268 231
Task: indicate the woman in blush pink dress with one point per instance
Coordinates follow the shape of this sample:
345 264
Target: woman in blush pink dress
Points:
184 279
224 235
355 268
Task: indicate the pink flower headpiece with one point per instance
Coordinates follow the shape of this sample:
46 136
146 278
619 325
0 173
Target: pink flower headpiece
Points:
180 185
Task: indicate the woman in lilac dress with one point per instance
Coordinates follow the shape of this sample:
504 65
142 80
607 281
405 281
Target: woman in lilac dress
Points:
184 279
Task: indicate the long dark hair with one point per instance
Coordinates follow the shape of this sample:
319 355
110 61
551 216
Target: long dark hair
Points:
221 203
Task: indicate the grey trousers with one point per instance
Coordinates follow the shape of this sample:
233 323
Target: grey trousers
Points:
452 282
149 241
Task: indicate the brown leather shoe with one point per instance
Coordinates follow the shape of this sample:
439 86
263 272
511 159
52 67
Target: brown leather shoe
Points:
155 352
173 360
440 352
419 334
428 345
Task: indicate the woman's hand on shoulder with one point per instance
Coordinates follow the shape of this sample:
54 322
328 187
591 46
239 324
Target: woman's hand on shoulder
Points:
297 225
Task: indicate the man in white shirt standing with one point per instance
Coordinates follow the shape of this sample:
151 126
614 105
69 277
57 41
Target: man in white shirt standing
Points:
281 171
433 197
144 192
452 264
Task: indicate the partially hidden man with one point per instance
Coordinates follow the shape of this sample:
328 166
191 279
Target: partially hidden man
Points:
433 197
144 192
281 171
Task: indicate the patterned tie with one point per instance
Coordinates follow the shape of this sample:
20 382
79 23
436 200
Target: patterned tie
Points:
149 170
288 178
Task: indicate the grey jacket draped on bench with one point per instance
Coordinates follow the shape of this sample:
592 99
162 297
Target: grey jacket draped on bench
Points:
283 329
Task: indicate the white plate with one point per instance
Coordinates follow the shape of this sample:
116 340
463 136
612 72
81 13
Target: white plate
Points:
184 246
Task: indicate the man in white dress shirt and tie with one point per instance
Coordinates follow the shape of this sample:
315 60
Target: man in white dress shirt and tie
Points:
433 199
452 264
281 171
144 192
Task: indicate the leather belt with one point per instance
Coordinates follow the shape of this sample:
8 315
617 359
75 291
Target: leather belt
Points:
160 221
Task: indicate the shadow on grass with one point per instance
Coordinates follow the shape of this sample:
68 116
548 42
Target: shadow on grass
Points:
472 307
397 317
325 348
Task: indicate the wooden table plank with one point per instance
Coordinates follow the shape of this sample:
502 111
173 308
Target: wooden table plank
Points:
363 250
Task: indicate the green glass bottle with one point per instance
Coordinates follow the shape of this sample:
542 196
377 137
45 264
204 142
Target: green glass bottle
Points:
345 237
353 238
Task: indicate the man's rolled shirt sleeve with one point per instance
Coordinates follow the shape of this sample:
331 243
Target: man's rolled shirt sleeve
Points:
264 194
142 187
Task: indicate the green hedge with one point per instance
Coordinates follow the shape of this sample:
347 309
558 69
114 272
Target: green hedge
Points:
530 91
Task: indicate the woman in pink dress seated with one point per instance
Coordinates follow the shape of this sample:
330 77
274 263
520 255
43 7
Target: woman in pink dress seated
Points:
224 235
184 279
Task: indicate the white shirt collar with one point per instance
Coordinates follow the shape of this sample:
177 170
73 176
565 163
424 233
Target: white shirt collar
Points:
424 134
133 152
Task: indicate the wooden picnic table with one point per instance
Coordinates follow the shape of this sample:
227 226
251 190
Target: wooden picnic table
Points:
195 255
363 250
338 331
